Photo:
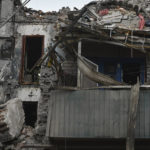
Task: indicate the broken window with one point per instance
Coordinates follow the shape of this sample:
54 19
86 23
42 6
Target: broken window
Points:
33 48
30 109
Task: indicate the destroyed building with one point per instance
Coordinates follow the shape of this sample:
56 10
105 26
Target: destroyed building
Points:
83 76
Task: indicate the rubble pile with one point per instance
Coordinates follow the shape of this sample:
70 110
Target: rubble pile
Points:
122 23
50 15
26 137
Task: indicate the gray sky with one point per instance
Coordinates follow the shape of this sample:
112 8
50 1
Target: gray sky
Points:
50 5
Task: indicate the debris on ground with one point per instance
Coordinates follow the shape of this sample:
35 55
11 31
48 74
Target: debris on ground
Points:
26 137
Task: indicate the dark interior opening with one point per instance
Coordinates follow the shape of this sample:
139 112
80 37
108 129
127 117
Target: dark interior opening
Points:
130 73
118 62
30 110
93 49
33 50
110 70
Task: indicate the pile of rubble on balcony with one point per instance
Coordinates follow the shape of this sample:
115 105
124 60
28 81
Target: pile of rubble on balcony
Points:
122 23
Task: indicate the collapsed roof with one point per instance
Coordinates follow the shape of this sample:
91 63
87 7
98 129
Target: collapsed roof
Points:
118 22
123 23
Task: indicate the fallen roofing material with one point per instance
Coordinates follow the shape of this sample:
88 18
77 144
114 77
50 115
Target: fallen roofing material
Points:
114 22
117 21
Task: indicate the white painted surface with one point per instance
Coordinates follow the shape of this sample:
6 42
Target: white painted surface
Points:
36 29
29 94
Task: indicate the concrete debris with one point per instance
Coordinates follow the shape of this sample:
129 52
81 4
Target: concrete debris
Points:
11 120
25 137
40 15
120 21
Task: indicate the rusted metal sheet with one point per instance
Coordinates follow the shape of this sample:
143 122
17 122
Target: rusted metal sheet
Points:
96 114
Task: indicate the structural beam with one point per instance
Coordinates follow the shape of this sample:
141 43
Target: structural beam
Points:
134 100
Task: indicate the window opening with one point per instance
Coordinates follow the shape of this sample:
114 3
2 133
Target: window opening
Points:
30 110
32 51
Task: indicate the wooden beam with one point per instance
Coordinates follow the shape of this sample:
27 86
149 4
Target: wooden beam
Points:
134 100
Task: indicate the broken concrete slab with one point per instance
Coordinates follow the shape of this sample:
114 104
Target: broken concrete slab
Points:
11 119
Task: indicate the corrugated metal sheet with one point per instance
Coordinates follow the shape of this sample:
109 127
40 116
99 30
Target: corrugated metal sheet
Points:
95 114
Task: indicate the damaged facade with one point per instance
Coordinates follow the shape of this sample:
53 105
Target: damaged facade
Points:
74 72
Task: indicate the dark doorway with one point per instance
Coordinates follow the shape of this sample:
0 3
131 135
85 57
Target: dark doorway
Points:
130 73
33 48
30 110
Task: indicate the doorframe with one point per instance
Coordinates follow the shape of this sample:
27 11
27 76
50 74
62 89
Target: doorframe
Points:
21 75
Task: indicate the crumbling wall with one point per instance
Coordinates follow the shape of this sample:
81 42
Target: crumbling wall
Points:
23 29
7 8
48 81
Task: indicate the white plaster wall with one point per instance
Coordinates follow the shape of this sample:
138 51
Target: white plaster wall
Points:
36 29
29 94
22 29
